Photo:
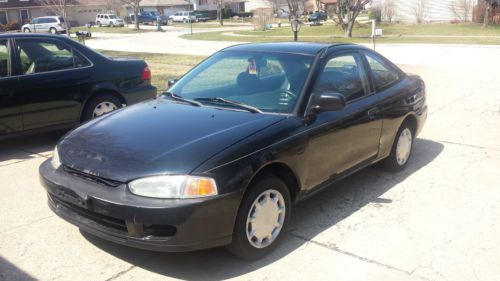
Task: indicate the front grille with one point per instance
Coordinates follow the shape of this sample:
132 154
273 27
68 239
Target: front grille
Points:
101 219
90 177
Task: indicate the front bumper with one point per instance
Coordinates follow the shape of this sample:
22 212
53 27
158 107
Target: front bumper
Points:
114 214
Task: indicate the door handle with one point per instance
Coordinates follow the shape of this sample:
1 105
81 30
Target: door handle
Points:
372 113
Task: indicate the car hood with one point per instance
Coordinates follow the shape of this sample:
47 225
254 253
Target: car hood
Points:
156 137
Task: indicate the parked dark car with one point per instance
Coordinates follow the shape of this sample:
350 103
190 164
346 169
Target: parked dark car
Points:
144 18
50 81
220 157
317 17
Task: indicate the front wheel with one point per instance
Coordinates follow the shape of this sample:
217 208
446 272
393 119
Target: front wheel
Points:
262 218
26 30
100 105
401 149
111 24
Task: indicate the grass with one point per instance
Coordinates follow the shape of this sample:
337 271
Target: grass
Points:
163 66
426 33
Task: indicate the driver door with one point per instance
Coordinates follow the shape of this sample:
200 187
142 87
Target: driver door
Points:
340 141
10 105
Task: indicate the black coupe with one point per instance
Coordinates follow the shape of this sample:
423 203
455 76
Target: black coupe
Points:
222 156
50 82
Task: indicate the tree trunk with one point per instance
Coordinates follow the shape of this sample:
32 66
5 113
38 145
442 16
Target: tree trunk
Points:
486 16
136 17
348 30
221 16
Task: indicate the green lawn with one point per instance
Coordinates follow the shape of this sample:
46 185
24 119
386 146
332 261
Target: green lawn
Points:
163 66
426 33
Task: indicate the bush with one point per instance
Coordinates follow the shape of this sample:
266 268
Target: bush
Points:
10 26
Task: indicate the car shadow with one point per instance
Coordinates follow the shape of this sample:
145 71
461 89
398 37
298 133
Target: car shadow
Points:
315 215
28 147
9 271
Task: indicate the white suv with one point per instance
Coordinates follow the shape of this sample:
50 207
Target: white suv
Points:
108 20
53 25
183 16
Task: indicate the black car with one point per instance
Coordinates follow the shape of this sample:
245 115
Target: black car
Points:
221 157
49 82
317 17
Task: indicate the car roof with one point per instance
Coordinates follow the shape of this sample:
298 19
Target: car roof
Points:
30 35
308 48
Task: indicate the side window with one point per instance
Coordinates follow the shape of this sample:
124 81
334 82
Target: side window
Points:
345 75
4 59
46 56
383 74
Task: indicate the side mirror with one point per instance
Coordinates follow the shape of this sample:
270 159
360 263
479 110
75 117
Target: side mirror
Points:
171 82
327 102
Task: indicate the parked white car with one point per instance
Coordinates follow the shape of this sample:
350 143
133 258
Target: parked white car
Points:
110 20
183 16
52 24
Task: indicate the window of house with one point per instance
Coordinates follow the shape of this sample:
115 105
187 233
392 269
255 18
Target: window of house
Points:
4 59
45 56
383 74
3 16
345 75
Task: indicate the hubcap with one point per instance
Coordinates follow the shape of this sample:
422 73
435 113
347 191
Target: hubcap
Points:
265 218
403 148
103 108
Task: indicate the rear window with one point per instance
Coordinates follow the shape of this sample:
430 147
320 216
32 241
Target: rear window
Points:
61 19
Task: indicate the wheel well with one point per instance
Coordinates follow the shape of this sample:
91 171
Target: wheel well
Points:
410 119
284 173
102 92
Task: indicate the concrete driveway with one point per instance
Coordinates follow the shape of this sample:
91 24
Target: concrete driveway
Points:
437 220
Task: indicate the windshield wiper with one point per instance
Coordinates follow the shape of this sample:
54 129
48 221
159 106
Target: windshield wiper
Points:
179 98
230 102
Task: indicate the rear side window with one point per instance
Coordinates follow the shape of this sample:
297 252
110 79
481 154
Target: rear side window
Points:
51 20
61 19
4 59
345 75
383 74
46 55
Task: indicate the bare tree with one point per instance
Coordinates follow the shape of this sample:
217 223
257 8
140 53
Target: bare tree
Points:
294 8
461 9
488 7
389 10
346 12
135 6
420 10
58 7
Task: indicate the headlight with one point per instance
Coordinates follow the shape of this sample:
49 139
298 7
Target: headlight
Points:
178 186
55 159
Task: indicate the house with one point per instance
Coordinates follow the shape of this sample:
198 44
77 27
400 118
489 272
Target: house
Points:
412 11
169 7
22 11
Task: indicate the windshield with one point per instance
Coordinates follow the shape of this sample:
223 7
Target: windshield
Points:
269 82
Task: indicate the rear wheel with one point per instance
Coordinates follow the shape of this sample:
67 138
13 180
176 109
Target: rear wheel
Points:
53 30
26 30
401 149
262 218
100 105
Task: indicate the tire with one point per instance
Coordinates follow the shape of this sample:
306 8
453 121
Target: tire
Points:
395 162
104 100
111 24
26 30
53 30
98 24
263 188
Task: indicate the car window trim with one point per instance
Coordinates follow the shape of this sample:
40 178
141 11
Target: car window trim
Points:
401 74
73 50
366 74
